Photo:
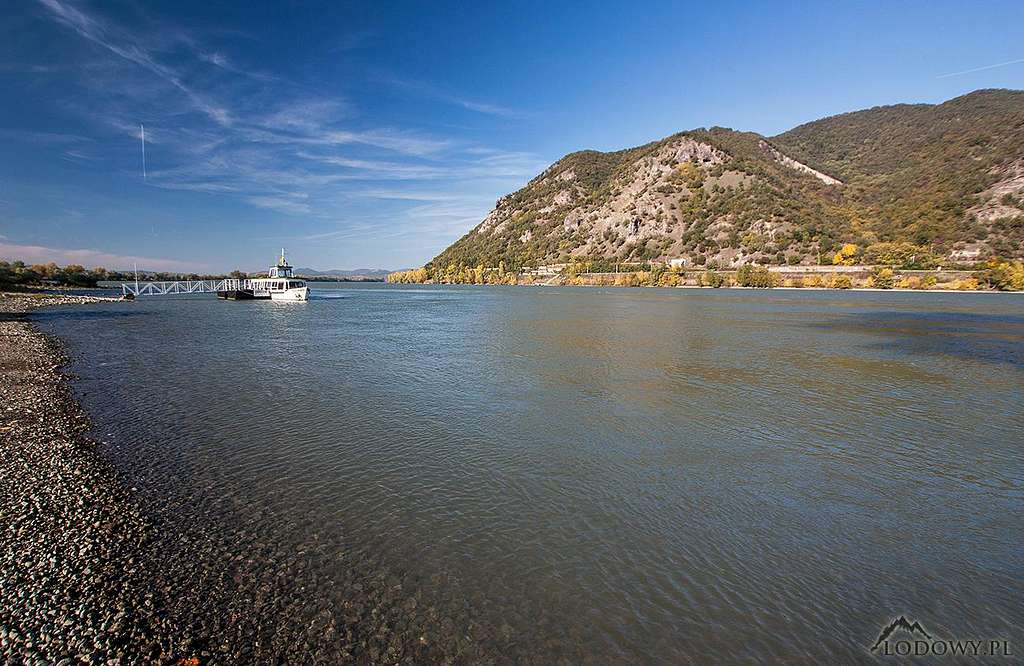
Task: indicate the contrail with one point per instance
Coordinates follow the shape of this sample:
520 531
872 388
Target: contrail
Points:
143 128
980 69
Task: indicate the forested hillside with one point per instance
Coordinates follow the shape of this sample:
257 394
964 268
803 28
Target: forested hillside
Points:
924 173
921 181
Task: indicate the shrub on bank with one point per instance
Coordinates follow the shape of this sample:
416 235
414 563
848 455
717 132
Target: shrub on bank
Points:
960 284
915 282
882 278
1004 275
755 276
415 276
840 282
901 255
711 278
847 255
670 279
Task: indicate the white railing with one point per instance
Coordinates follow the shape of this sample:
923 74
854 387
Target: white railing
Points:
183 287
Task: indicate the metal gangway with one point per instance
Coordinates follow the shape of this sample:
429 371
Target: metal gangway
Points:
183 287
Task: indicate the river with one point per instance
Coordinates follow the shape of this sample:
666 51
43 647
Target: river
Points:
495 474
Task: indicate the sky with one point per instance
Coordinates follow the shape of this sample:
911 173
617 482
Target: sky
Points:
372 135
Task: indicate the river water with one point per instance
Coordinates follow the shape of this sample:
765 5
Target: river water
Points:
490 474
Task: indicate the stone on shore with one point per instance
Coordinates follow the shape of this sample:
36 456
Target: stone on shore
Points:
73 585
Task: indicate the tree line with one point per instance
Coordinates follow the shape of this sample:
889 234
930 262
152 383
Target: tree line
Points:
997 274
18 274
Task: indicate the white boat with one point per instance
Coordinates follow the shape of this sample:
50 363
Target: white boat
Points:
279 285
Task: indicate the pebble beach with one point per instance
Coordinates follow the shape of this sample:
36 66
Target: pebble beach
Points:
74 584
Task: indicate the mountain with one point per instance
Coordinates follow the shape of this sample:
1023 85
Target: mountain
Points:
364 273
935 177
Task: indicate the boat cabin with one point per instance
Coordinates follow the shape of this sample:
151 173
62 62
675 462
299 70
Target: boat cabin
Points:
281 270
279 278
277 285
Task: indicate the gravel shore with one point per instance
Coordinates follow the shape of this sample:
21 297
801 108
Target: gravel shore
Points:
74 585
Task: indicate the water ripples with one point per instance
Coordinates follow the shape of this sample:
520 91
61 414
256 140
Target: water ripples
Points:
604 476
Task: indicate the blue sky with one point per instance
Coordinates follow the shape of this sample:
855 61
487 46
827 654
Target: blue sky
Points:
373 135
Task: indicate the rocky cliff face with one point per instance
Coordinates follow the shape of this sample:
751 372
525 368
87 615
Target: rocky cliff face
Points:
733 197
638 206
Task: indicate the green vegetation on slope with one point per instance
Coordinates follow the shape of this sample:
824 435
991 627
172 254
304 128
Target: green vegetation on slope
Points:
926 179
914 172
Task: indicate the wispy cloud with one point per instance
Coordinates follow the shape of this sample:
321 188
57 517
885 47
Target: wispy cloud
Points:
41 137
303 117
405 195
377 169
216 128
218 59
79 156
355 230
982 68
303 130
31 69
36 254
447 97
293 204
398 141
98 32
446 217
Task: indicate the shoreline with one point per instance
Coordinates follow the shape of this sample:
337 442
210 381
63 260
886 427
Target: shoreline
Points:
75 577
900 290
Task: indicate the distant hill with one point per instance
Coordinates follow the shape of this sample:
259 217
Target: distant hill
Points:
938 177
357 273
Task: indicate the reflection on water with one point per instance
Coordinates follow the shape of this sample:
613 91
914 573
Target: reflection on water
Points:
600 475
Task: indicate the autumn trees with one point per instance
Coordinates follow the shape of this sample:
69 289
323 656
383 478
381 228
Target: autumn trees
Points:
18 274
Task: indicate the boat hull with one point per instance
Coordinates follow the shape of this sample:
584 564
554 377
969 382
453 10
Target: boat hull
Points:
288 295
291 295
242 295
